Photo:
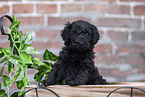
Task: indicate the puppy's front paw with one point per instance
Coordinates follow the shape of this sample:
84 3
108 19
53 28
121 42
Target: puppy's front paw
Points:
42 84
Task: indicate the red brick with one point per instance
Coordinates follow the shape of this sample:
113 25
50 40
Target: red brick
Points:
96 60
14 86
46 33
46 8
10 0
118 36
102 48
6 22
31 20
71 8
129 59
47 45
138 36
5 45
119 22
47 0
99 8
26 31
23 8
31 71
95 0
119 9
110 59
3 36
140 69
4 9
139 10
101 33
144 23
130 48
133 0
40 55
62 21
114 73
134 59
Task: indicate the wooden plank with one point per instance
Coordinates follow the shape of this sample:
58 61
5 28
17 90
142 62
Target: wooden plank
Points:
90 90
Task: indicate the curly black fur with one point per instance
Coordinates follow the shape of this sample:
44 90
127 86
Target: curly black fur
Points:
75 63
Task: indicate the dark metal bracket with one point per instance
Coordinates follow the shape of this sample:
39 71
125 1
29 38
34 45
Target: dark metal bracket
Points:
36 89
3 32
131 93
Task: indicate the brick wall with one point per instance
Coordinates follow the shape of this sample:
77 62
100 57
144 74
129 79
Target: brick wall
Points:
120 53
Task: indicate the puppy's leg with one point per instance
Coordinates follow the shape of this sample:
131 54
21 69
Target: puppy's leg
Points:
50 80
53 76
100 81
81 78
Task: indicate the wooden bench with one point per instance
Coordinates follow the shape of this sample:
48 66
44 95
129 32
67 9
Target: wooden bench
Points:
90 90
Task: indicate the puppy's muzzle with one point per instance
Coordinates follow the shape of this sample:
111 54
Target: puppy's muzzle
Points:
81 39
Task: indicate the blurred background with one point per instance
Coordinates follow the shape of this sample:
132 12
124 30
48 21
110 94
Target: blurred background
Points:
120 53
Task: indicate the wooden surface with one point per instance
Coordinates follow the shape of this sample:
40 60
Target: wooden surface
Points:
90 90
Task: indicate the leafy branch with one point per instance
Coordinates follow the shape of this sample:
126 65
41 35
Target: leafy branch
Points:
18 64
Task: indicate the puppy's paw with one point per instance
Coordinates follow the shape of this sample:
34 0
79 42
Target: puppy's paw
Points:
42 84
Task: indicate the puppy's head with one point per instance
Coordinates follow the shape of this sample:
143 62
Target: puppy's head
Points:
80 35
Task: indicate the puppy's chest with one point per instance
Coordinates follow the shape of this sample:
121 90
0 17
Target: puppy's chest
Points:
72 62
71 72
74 59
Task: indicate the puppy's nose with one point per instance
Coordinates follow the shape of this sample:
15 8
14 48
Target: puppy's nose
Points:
80 39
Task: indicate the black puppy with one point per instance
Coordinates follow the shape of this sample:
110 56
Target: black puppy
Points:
75 63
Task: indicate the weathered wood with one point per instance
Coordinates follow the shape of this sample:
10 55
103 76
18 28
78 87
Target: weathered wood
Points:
90 90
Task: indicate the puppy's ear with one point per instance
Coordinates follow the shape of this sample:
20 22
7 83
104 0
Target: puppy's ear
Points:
65 31
96 35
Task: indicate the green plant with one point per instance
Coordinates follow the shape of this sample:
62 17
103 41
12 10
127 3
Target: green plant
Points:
17 64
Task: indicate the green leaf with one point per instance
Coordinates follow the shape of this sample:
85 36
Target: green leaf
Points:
47 63
19 64
1 71
14 19
14 25
38 76
24 79
14 61
10 66
0 86
15 94
31 50
7 51
20 33
27 38
26 58
19 74
48 55
1 53
44 68
19 84
3 93
14 57
37 61
3 60
6 80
